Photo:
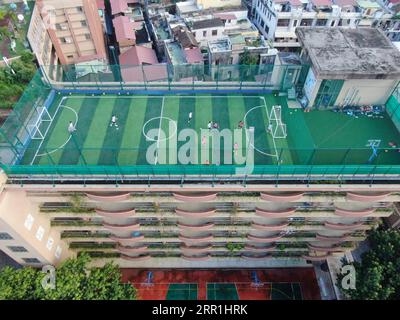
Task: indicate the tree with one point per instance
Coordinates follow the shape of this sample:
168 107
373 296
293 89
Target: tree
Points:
248 59
378 276
74 281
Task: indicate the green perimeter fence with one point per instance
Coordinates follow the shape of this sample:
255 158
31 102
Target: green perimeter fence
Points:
15 137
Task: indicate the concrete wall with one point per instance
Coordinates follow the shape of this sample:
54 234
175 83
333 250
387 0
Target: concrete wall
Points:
218 3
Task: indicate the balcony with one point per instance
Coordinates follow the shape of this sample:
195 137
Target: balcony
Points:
367 197
196 214
316 258
118 227
128 239
325 249
281 197
109 197
259 249
275 214
249 257
116 214
138 258
341 226
208 238
331 238
196 258
195 249
264 239
269 227
195 197
350 213
202 227
130 250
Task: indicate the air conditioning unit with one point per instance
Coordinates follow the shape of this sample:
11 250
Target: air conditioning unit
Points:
68 40
64 27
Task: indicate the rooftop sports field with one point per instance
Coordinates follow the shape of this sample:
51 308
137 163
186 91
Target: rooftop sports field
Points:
155 124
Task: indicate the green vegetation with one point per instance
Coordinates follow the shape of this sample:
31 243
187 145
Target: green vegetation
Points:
74 281
234 246
377 277
12 85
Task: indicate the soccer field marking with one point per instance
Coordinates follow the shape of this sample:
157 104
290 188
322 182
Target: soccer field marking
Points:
165 139
69 138
159 130
251 144
45 134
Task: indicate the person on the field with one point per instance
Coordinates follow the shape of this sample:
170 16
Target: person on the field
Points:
114 121
190 117
71 127
269 128
209 125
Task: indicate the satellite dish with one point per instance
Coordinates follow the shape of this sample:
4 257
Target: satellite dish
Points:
20 18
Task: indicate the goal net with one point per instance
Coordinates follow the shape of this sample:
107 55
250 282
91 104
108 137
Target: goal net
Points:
278 127
39 123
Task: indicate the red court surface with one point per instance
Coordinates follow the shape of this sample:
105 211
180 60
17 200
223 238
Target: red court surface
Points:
162 278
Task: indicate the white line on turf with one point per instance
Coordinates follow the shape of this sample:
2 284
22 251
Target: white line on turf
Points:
159 130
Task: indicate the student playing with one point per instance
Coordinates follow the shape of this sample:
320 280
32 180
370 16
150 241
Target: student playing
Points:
241 124
269 128
71 127
114 121
190 117
209 126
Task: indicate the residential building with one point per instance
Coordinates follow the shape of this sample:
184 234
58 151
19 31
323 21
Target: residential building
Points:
75 35
346 64
206 29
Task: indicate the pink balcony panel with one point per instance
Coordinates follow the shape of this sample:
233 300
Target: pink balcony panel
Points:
275 214
116 214
202 227
264 239
284 196
128 240
331 238
128 250
117 227
341 226
349 213
195 249
138 258
195 214
325 249
193 197
259 249
248 257
316 258
269 227
196 258
109 197
365 197
196 239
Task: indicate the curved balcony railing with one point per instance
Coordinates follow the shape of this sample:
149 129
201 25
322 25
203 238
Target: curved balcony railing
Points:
118 227
284 196
196 258
195 249
128 239
249 257
248 247
341 226
196 239
367 197
116 214
195 214
109 197
194 197
269 227
275 214
325 249
356 214
331 238
316 258
206 226
264 239
137 258
128 250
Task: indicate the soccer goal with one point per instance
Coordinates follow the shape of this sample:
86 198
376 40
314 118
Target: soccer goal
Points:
36 128
278 127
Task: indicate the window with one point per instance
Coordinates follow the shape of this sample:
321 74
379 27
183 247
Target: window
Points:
333 23
31 260
71 56
283 22
214 32
5 236
66 40
83 23
194 34
262 24
79 9
17 249
266 29
88 36
204 33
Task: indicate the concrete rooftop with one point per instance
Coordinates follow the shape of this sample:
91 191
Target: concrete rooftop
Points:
341 53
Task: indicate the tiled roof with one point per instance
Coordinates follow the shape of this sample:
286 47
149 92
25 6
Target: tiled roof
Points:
193 55
322 3
209 23
118 6
124 28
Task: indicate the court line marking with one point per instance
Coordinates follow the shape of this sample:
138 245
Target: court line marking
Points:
45 135
159 131
69 138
